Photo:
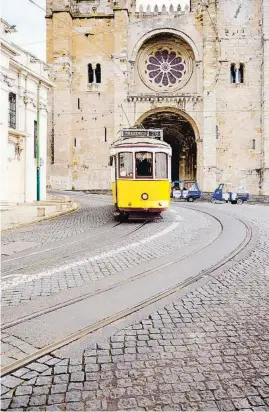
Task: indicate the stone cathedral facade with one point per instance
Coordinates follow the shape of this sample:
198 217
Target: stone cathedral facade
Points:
200 72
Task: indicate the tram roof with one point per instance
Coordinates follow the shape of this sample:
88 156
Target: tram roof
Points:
139 141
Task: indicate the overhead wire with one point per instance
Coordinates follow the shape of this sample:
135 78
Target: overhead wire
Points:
125 73
220 50
83 34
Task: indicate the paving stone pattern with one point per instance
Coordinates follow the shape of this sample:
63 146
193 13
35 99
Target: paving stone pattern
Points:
92 213
15 291
206 351
14 348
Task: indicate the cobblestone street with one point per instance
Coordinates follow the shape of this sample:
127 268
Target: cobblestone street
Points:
207 348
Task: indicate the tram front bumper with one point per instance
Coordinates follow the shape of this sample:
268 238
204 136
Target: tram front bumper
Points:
153 207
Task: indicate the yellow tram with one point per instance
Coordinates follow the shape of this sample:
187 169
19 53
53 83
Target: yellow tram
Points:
141 173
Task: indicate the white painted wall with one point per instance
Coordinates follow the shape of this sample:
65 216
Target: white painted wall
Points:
21 75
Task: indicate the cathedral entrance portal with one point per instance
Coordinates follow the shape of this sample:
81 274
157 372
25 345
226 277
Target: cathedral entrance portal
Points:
179 133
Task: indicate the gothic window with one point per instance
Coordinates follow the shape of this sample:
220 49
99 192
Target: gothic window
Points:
98 73
241 73
166 64
165 68
237 73
94 75
90 74
233 73
12 110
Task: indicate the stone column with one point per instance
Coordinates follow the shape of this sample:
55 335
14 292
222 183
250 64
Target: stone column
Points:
182 162
59 54
211 67
121 20
265 100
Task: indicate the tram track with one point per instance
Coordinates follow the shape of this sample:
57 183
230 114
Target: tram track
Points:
95 326
8 273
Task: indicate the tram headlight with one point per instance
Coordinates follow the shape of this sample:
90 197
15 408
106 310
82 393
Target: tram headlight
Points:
145 196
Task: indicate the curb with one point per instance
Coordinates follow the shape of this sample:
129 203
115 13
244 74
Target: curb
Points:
66 212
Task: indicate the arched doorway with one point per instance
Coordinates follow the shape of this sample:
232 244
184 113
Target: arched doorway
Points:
179 133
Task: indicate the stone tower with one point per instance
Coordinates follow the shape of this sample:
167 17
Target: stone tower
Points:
200 72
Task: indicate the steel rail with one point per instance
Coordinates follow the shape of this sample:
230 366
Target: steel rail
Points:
9 272
135 308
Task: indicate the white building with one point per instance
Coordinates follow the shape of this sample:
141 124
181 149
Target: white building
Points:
24 82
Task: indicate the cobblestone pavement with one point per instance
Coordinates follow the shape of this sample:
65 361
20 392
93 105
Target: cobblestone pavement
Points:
208 350
14 348
91 214
100 262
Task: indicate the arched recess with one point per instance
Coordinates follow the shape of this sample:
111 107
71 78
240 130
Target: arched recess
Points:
165 30
182 133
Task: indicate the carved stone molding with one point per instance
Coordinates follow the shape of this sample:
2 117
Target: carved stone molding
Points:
167 98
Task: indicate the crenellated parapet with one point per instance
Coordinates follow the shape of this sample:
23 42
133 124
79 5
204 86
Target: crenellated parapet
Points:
166 9
91 8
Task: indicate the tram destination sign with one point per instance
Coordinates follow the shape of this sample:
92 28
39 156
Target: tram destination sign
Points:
149 133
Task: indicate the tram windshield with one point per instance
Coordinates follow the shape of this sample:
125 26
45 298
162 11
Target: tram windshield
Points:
161 166
126 165
143 164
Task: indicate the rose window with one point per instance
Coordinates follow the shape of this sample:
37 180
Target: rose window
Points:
166 65
166 68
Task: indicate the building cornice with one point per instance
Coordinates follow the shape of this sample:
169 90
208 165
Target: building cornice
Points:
76 15
164 97
8 49
26 71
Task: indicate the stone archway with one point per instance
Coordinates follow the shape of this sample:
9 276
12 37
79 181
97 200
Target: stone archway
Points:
181 134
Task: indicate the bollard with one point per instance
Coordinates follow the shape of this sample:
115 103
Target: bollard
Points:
41 211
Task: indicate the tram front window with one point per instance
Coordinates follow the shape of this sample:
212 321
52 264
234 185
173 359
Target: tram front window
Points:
161 166
143 164
126 165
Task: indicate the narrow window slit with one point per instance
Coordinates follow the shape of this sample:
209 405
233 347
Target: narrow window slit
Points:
233 73
98 73
241 73
90 74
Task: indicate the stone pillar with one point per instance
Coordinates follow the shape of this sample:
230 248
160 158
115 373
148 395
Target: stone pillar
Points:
59 49
182 166
121 20
265 100
211 67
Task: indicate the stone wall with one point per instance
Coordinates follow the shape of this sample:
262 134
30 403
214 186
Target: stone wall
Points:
232 131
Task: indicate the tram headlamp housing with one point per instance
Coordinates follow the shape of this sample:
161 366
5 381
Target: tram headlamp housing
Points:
144 196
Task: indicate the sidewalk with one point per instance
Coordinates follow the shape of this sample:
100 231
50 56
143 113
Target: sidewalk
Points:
16 215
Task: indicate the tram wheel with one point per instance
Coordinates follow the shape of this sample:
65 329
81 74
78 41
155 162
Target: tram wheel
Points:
120 216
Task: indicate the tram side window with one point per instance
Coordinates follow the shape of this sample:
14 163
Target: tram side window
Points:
143 164
126 165
161 166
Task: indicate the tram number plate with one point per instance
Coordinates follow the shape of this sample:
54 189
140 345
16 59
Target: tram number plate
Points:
156 134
